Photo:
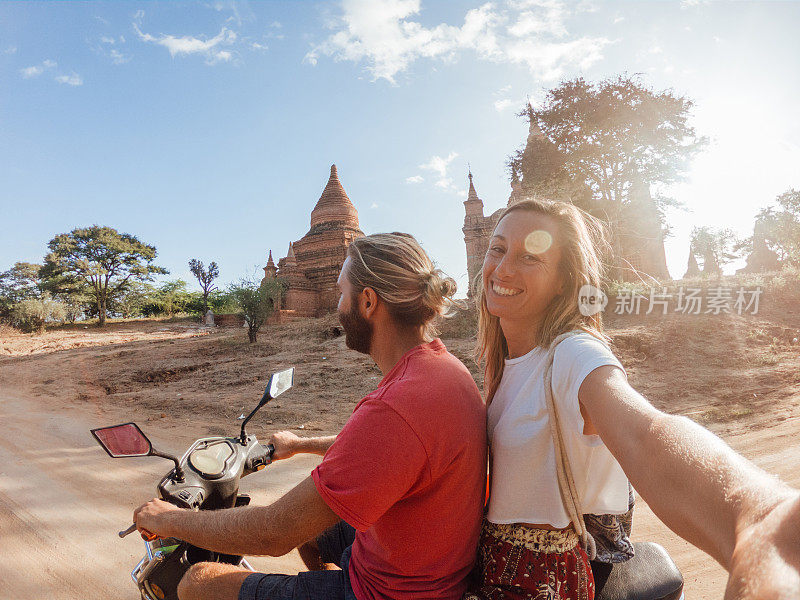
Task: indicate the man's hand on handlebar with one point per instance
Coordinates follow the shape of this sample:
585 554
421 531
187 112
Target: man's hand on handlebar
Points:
153 518
286 444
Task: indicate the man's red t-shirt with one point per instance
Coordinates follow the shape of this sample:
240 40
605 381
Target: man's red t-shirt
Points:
408 472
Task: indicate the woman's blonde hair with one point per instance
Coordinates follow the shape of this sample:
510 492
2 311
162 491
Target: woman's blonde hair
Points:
583 244
403 276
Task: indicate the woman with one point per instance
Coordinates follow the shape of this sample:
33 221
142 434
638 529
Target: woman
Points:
540 255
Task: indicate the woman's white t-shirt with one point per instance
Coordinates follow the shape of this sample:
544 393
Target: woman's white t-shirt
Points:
524 481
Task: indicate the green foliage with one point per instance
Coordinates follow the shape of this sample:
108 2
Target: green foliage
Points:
20 282
74 307
133 300
34 313
173 296
205 277
256 301
222 302
618 129
102 259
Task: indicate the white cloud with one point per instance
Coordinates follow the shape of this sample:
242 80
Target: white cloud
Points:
503 104
619 19
187 44
36 70
118 57
73 79
29 72
415 179
439 166
110 47
257 46
547 18
533 33
10 50
374 205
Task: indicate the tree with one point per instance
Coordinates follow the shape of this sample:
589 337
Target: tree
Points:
257 301
611 136
20 282
779 228
715 247
101 258
172 296
33 313
131 301
204 278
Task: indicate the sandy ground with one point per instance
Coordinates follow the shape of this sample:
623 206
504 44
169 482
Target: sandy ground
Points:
62 500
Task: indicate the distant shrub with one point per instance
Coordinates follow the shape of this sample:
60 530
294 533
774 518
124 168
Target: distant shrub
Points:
33 314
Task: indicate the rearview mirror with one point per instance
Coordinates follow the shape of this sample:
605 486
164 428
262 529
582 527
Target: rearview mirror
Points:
280 382
123 440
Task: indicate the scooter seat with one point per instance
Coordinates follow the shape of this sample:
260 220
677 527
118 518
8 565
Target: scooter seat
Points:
649 575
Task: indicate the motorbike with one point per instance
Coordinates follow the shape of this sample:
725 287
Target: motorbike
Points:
207 477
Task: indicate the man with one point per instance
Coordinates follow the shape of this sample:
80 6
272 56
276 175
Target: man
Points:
407 472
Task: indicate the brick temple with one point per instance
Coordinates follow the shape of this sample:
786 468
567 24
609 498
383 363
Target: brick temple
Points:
312 264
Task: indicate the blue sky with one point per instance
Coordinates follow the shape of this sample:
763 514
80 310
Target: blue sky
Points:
208 128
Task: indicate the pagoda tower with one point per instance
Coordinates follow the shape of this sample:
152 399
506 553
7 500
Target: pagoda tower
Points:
477 230
312 264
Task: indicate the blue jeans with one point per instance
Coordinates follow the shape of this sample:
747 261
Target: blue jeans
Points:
334 547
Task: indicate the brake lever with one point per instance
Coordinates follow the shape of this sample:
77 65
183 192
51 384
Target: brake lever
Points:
146 535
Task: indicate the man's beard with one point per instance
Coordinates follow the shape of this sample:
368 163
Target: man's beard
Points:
357 330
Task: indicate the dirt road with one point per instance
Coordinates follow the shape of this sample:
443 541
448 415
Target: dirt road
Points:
63 500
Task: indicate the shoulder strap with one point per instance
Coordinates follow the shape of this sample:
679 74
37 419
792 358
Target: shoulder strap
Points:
566 481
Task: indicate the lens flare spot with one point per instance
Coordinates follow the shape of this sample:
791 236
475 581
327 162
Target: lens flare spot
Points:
538 242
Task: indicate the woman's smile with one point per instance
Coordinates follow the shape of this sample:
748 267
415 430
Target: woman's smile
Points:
505 290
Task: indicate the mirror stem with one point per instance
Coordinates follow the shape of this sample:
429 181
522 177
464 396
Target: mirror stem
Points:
178 470
243 436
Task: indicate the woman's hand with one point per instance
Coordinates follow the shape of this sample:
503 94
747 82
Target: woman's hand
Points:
286 444
766 560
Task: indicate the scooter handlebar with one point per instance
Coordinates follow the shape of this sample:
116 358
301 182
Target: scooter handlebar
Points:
260 457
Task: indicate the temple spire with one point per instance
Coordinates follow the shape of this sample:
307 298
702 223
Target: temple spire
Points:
472 195
473 204
270 270
334 206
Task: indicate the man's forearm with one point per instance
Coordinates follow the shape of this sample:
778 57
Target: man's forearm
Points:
316 445
243 530
272 530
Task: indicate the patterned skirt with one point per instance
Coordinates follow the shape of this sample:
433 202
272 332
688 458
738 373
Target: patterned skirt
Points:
516 562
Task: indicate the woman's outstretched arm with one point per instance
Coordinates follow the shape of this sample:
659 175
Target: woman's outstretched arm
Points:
700 488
